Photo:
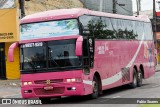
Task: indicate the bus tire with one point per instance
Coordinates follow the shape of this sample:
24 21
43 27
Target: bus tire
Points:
139 80
134 82
95 85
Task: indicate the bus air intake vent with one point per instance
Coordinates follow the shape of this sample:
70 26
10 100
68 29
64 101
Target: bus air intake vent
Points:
51 81
56 90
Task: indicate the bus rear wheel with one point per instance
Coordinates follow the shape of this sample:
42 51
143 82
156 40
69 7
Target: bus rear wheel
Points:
95 85
135 79
140 77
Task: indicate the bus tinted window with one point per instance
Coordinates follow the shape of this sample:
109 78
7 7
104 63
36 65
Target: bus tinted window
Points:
4 4
112 28
62 54
138 27
123 29
99 27
84 20
106 29
33 56
91 25
148 31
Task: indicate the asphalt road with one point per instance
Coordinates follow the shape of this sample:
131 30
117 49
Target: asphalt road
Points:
150 89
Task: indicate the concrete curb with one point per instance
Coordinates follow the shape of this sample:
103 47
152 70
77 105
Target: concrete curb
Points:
15 83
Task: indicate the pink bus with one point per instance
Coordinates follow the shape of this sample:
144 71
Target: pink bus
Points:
76 52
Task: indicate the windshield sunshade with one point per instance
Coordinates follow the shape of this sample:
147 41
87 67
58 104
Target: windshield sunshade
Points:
49 29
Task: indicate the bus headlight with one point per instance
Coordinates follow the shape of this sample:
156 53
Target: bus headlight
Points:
73 80
27 83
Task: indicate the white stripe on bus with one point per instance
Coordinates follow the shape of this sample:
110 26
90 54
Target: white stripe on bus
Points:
118 76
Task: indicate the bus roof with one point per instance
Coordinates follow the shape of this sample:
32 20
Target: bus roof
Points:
74 13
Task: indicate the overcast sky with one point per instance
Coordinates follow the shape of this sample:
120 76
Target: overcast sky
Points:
145 5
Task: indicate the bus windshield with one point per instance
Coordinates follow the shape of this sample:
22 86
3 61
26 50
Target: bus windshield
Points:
33 55
54 55
49 29
7 4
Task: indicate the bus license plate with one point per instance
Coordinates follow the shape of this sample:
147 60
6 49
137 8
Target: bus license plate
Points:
48 88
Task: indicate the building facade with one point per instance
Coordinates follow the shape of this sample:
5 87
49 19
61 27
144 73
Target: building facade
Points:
157 35
9 33
9 29
10 24
123 7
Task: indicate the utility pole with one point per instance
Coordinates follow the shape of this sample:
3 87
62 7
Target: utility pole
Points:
101 5
21 6
154 23
114 6
137 7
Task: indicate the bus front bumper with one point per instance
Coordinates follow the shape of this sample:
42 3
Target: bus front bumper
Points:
52 90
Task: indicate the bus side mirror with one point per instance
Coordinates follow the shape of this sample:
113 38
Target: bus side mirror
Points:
79 43
11 51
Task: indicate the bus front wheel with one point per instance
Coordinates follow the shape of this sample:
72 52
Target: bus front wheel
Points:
95 88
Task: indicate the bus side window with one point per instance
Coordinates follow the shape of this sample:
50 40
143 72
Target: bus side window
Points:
89 31
84 20
139 29
148 31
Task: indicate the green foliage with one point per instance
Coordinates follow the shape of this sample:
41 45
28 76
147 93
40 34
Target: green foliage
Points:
99 30
150 105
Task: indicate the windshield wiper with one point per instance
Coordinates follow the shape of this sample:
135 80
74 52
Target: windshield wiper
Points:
31 64
52 60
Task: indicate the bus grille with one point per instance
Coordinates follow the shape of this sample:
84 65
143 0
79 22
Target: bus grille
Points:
51 81
56 90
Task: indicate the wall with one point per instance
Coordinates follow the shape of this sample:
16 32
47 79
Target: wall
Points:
33 6
12 68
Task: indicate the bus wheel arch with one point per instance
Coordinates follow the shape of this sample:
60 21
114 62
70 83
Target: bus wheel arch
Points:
97 78
136 69
142 70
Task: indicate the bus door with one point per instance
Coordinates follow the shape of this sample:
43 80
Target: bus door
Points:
88 53
2 61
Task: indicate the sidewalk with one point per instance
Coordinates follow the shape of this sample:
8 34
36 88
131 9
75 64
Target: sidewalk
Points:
10 89
158 68
15 83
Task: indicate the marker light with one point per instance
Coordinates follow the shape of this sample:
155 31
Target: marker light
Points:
27 83
73 80
73 88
